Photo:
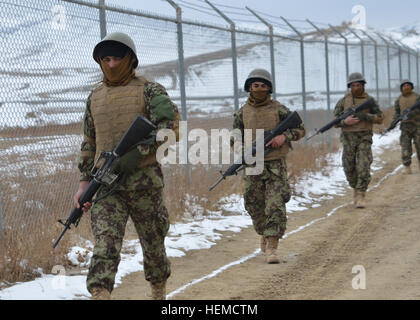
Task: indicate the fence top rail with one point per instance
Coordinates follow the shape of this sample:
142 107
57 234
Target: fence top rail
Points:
240 30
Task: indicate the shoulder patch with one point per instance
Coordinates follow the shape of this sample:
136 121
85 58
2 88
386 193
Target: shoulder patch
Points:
162 108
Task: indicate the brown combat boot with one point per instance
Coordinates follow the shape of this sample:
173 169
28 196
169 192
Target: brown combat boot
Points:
360 199
407 170
158 290
100 294
263 243
270 252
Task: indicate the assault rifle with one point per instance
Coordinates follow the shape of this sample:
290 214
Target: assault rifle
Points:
139 130
365 105
292 121
403 116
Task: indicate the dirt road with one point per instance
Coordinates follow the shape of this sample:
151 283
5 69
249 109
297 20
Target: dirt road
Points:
321 249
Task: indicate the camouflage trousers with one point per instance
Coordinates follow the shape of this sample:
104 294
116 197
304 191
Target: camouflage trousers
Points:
109 217
410 133
357 158
266 196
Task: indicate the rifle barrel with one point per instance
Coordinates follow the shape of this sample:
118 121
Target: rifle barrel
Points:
312 136
217 182
60 236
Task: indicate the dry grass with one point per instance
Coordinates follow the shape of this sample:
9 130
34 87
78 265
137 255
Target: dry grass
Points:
309 158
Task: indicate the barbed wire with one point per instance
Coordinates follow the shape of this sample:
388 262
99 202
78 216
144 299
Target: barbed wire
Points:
264 15
198 10
226 6
245 14
196 7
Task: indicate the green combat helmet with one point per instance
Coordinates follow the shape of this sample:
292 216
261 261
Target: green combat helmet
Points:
355 77
404 82
116 37
259 75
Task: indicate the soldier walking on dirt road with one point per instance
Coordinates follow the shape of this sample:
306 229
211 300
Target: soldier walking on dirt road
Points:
356 136
110 109
266 194
410 128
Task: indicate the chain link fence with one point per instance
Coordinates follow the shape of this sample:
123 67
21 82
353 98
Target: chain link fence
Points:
47 72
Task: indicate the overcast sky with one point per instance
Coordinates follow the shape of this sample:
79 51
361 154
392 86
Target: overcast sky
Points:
379 14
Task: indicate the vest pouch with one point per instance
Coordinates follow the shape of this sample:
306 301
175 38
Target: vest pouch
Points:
266 118
353 102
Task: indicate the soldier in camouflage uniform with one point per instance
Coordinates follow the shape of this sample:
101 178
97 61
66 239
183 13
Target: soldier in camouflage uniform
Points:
110 109
266 194
410 128
356 137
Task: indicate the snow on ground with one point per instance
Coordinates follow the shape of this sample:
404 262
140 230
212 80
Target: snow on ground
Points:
197 233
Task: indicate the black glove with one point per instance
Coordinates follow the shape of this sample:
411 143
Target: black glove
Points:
363 116
129 162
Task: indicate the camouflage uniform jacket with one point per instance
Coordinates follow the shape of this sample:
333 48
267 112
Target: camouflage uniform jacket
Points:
162 118
415 114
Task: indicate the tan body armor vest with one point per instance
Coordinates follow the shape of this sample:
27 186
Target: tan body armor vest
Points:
266 118
406 102
113 110
353 102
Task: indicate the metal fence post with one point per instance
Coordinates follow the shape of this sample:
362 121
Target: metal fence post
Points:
327 76
408 62
273 69
399 61
102 18
397 46
417 67
234 54
362 48
388 67
302 65
409 53
346 48
181 72
408 59
1 215
376 63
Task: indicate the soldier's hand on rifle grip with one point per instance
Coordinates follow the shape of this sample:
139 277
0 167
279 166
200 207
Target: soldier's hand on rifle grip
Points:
82 187
351 120
277 141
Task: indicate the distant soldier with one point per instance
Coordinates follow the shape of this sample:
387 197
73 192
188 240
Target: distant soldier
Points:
110 109
266 194
410 128
356 137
